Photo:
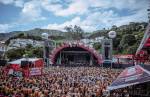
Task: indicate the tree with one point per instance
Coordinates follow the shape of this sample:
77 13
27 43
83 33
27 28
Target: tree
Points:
78 32
30 52
74 32
114 27
116 42
132 49
78 29
20 35
38 52
15 53
69 28
97 46
128 39
29 46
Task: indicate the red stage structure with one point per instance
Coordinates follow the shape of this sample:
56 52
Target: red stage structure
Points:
143 52
74 50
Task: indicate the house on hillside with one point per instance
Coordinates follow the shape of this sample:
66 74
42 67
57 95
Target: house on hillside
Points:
22 43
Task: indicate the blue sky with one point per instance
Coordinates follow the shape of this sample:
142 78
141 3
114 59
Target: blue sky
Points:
90 15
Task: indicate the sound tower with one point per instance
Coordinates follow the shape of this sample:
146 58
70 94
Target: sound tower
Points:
3 62
30 64
107 53
107 49
24 64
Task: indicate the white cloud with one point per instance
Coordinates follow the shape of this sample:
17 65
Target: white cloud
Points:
17 3
92 20
100 20
4 28
75 7
31 12
123 4
78 7
140 16
74 21
49 6
6 1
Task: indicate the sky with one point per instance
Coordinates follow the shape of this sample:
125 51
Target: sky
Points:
90 15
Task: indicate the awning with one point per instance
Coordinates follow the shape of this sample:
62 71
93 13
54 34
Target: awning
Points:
18 61
130 76
130 56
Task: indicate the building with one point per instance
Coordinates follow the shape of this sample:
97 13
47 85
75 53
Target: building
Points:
21 43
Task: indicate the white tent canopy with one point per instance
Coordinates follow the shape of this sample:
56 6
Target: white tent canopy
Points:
18 61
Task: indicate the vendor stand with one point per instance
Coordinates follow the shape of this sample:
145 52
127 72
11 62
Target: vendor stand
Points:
30 67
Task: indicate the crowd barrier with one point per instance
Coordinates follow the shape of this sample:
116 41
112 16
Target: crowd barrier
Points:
113 65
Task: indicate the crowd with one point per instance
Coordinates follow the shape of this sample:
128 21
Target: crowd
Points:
59 82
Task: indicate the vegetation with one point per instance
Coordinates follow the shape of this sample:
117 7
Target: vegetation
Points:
97 46
29 51
128 37
15 53
75 32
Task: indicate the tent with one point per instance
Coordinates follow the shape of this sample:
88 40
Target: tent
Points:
33 67
130 76
38 62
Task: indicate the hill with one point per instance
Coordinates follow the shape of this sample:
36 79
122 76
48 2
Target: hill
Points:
34 32
128 37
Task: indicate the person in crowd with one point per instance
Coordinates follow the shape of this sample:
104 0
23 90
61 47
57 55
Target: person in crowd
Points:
59 82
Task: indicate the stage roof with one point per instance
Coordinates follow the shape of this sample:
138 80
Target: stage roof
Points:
18 61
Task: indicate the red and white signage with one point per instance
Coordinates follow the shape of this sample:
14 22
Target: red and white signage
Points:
35 71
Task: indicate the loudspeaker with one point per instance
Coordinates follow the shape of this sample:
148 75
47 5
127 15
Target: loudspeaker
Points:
24 64
107 49
107 53
47 52
30 64
3 62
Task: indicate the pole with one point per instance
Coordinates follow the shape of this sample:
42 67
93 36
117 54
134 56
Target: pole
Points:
44 56
111 52
60 58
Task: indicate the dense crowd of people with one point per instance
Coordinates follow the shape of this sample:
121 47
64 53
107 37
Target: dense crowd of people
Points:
59 82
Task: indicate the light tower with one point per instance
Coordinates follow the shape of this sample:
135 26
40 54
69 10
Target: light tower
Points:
45 49
148 15
107 48
148 10
112 34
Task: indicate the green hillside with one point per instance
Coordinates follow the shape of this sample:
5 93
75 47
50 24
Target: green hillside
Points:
128 37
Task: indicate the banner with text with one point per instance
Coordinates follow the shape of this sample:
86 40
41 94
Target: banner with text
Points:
35 71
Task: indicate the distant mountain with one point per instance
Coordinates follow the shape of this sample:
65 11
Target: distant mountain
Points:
35 32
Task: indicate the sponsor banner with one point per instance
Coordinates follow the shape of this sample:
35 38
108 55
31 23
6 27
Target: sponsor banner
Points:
35 71
131 76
